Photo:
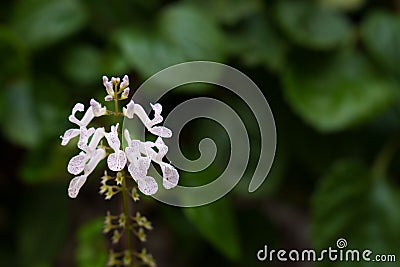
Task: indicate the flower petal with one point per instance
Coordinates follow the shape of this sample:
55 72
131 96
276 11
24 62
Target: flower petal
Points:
125 93
125 82
138 170
162 149
68 135
105 79
78 107
112 138
170 175
97 109
132 153
116 161
127 136
108 98
161 131
97 136
87 118
75 185
84 138
77 163
129 111
97 156
142 115
156 107
157 114
109 87
148 185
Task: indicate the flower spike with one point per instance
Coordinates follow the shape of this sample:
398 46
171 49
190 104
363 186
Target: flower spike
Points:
137 156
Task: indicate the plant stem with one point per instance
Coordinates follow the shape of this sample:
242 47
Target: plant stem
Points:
116 107
125 205
124 191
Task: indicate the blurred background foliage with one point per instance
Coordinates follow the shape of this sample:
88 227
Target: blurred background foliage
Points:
329 69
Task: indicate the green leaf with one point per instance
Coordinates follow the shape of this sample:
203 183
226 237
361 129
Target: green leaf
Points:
46 163
313 26
351 203
20 123
43 225
216 222
334 93
343 4
92 249
13 57
181 34
380 33
44 22
257 42
147 54
191 32
88 58
229 11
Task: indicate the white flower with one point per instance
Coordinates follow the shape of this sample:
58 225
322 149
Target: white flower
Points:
170 175
108 98
129 110
98 110
117 160
125 93
139 165
68 135
148 185
109 88
95 110
75 185
77 182
136 109
112 87
137 156
87 160
125 82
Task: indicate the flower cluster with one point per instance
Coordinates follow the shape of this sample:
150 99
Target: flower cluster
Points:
137 156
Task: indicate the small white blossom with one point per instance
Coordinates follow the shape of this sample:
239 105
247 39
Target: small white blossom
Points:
170 175
95 159
75 185
125 82
139 165
116 161
125 93
95 110
136 109
115 80
109 88
87 118
161 131
148 185
68 135
98 110
87 160
77 163
115 86
129 110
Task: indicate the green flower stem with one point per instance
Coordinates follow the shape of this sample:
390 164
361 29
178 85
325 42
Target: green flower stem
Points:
124 190
116 107
125 204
